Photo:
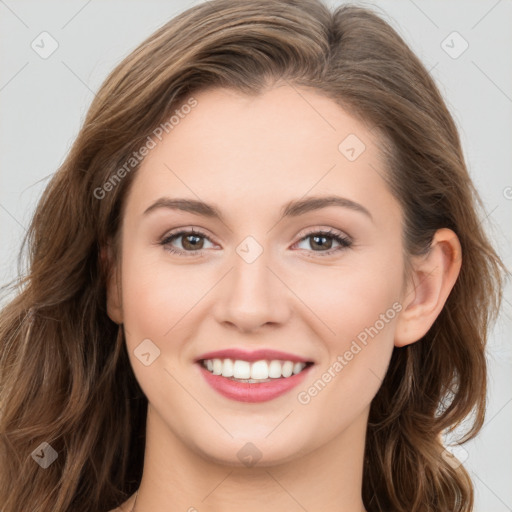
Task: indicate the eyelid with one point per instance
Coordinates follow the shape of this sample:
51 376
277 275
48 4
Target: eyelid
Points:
340 237
345 241
301 235
165 239
327 230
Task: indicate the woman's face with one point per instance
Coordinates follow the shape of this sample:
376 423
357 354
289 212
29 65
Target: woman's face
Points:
254 279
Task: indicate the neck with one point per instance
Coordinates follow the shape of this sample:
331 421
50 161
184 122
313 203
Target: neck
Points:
175 477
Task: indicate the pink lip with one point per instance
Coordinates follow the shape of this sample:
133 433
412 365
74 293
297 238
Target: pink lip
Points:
252 392
256 355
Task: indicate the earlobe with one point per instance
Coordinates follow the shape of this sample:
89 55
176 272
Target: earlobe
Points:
432 279
113 288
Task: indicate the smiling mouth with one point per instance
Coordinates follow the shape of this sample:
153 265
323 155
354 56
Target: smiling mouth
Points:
253 372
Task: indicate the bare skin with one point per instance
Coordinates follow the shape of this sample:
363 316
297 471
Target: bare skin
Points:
249 156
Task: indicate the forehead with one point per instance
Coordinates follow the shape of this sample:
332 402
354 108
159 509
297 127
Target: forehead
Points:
279 145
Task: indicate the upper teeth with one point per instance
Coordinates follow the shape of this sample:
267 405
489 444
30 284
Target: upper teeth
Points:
259 370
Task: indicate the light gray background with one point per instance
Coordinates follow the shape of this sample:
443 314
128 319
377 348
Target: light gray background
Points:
43 102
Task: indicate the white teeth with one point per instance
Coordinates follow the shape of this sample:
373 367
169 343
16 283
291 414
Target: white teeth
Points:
217 367
227 368
297 368
241 370
287 368
274 369
257 371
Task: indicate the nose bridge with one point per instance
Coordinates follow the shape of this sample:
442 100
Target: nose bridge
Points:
252 295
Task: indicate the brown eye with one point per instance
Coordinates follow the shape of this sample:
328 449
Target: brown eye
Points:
192 242
324 240
321 241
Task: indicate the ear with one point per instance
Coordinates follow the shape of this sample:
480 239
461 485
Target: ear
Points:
113 285
431 281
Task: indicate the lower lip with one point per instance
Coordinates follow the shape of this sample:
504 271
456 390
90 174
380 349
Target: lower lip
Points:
252 392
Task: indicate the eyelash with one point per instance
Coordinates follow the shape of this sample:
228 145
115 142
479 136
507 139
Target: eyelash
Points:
344 242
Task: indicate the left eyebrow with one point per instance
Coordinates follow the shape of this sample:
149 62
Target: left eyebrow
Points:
298 207
293 208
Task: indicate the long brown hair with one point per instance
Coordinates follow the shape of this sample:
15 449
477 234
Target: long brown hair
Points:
65 377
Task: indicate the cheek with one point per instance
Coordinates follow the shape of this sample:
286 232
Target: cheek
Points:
158 295
358 308
338 302
358 355
353 297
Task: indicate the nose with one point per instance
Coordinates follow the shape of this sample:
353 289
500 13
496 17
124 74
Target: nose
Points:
251 296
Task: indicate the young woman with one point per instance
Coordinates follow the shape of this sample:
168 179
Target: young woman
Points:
258 281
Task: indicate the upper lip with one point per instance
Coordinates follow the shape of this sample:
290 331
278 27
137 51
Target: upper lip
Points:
254 355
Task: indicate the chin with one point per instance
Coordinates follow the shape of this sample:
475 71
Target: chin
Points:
252 451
